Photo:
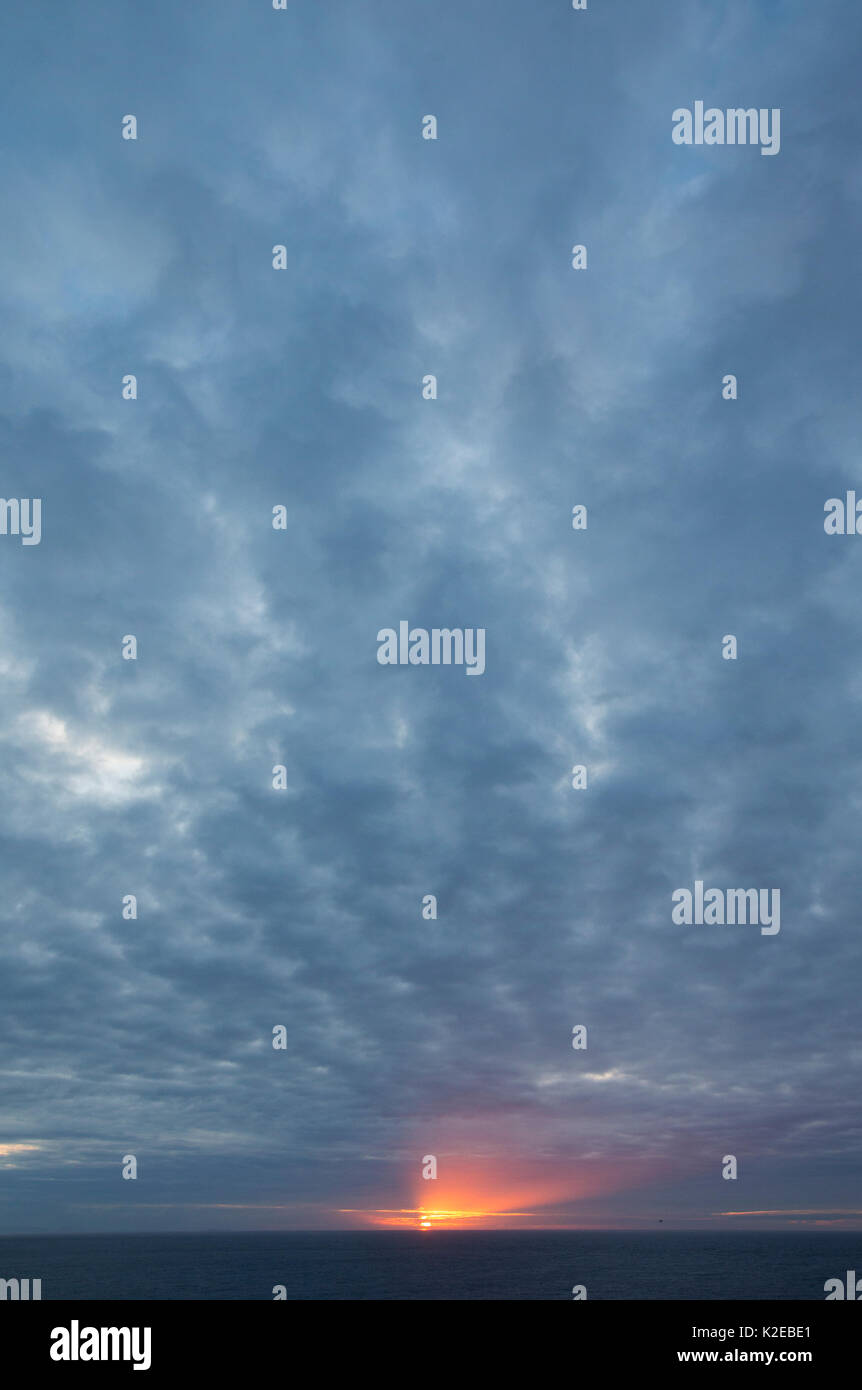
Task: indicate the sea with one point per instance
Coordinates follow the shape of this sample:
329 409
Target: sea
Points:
434 1265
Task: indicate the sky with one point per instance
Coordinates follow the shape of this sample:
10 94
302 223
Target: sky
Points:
407 1036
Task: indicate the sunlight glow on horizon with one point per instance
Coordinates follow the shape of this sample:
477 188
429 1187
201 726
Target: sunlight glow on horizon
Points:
426 1218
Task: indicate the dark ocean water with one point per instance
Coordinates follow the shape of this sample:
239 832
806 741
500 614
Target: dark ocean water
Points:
434 1265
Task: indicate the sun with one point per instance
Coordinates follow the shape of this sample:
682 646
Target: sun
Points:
421 1218
439 1217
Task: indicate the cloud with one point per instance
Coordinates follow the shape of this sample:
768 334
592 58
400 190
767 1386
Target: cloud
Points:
408 1036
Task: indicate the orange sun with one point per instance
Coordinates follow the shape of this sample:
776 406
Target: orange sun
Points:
423 1219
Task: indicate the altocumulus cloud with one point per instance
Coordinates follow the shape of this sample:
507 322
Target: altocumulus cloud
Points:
257 647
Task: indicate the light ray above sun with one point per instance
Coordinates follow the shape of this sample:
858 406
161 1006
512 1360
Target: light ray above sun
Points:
479 1194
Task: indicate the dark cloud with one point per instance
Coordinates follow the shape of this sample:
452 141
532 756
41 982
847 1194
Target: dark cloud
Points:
258 647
